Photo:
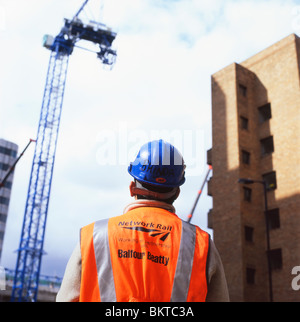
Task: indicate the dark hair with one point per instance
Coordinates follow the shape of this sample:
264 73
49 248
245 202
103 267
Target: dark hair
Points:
156 189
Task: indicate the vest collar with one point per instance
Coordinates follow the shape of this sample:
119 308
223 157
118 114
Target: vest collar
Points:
149 203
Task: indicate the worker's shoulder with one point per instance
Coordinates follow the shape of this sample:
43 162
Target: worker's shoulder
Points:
99 222
199 229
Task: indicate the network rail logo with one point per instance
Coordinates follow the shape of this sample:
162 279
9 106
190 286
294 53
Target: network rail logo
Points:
153 229
151 232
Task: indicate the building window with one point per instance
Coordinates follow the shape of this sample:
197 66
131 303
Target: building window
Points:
273 218
249 234
243 90
4 166
267 145
250 275
7 151
4 201
275 258
264 113
270 180
247 194
244 123
7 184
3 218
245 157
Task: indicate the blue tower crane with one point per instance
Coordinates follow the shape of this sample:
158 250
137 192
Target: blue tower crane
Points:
30 251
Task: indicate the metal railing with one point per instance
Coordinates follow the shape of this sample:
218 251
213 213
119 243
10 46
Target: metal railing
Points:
46 282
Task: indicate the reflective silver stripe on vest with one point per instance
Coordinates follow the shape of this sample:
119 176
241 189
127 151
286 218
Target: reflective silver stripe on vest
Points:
103 262
184 263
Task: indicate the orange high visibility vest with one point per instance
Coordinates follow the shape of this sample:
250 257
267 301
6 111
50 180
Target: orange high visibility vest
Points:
145 255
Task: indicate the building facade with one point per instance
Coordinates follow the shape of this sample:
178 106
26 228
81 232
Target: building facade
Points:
256 135
8 154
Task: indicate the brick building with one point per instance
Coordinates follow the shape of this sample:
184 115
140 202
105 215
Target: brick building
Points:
256 135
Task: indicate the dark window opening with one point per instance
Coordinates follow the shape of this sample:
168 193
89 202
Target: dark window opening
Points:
243 90
245 157
7 151
3 218
270 180
273 218
249 233
7 185
267 145
244 123
264 113
4 201
275 258
247 194
4 166
250 275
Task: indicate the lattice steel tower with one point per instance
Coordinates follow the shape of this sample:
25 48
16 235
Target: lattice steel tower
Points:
26 280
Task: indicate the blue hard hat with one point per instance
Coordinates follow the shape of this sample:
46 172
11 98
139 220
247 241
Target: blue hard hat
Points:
158 163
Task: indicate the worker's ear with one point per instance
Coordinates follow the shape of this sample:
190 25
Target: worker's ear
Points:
131 187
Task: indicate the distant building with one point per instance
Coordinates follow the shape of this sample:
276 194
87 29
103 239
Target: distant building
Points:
256 135
8 154
48 287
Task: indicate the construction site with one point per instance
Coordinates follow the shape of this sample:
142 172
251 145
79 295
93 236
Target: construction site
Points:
238 129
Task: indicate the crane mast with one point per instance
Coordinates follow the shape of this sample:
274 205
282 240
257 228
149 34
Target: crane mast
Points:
30 251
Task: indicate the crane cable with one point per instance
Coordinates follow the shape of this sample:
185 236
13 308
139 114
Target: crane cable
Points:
199 194
11 169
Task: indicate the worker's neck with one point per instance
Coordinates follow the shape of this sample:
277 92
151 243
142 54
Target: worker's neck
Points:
149 203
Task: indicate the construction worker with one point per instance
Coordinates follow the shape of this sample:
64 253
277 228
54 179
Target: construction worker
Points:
148 254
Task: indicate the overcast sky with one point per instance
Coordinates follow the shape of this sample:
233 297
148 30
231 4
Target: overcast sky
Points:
159 88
